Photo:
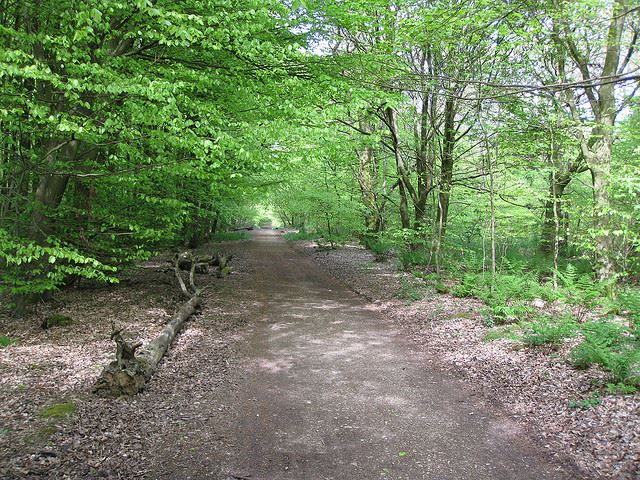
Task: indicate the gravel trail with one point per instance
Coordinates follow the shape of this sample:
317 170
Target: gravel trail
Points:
326 387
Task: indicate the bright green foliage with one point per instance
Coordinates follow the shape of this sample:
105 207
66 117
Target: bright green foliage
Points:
611 346
507 296
129 127
48 266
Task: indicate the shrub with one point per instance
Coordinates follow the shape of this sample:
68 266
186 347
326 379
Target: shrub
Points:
410 258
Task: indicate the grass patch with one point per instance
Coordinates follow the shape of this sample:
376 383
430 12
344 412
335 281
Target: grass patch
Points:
230 236
6 341
585 403
58 410
508 332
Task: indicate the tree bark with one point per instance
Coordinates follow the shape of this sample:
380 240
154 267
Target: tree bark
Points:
600 166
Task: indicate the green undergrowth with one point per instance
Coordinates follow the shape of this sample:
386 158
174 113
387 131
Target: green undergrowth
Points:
613 347
549 330
509 332
585 403
295 236
409 290
6 341
527 303
607 344
380 247
230 236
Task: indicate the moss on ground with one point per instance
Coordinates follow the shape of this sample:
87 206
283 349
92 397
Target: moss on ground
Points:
58 410
57 320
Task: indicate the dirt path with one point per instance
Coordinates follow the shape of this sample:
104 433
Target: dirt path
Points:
329 389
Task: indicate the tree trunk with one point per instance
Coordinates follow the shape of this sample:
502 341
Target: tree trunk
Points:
553 211
404 182
446 175
600 166
424 164
50 191
366 180
404 207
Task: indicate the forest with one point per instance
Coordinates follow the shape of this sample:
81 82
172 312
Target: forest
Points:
489 149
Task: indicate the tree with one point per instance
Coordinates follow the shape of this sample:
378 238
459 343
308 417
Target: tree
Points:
125 124
601 71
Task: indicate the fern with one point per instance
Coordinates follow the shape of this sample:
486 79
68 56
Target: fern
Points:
550 330
611 346
568 277
630 302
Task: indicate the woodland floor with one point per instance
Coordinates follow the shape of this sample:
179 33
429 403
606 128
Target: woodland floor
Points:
286 373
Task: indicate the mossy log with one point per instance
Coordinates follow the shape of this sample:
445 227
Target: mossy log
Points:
129 374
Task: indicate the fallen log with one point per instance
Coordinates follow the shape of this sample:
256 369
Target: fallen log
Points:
186 260
129 373
222 262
